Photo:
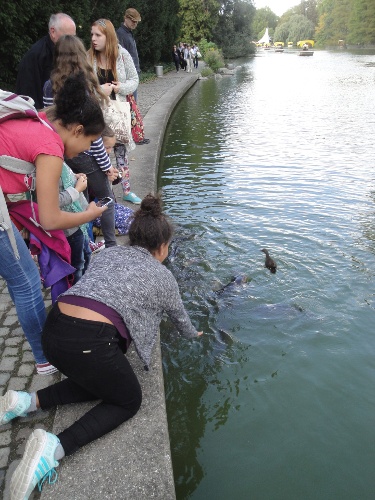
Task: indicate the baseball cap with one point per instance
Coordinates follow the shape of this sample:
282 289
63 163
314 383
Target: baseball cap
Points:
133 14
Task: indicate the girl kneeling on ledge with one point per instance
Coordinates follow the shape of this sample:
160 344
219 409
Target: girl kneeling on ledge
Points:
120 298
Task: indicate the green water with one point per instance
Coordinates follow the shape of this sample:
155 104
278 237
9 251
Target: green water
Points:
277 400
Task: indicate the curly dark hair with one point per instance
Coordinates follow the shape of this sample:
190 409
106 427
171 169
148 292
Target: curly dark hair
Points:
150 227
74 104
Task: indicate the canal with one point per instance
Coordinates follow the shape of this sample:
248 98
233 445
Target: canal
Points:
276 402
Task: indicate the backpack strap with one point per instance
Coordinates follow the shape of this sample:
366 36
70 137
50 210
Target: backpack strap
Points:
16 165
6 224
19 167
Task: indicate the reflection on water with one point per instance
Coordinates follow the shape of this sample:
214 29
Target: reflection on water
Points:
277 400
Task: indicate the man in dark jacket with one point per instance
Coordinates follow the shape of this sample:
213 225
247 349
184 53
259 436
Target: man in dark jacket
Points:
126 38
36 65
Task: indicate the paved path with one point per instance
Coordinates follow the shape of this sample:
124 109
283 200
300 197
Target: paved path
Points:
133 461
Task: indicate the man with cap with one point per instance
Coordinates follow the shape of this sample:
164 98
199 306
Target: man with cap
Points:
126 38
36 65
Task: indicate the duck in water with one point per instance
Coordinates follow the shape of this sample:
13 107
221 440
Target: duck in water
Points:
269 262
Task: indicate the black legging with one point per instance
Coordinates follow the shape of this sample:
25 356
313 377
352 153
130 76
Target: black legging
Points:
89 354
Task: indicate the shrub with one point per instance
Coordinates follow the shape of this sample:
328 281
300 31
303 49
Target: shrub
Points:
207 72
214 59
205 46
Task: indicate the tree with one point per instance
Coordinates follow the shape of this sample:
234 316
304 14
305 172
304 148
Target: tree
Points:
362 22
233 32
333 22
158 30
198 19
297 28
264 18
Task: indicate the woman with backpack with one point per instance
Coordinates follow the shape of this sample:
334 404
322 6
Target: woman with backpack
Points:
66 129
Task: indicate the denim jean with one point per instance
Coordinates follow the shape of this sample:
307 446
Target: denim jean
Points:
99 184
23 281
90 354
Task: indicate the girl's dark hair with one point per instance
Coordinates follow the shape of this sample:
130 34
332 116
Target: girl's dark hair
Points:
150 227
75 104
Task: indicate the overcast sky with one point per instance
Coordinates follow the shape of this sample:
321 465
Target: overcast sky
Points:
277 6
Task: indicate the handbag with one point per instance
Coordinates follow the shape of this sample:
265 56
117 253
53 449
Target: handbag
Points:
136 120
117 116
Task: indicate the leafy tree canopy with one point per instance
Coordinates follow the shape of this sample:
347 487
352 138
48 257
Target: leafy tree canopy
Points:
233 32
350 20
198 18
264 18
297 28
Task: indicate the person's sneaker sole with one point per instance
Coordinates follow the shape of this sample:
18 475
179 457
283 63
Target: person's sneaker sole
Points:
34 466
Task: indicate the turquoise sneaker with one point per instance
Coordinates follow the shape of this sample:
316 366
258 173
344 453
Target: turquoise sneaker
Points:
133 198
37 465
13 404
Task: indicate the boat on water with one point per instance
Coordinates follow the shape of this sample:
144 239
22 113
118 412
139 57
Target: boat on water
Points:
279 46
306 45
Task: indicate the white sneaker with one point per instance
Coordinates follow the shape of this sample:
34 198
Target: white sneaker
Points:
13 404
37 465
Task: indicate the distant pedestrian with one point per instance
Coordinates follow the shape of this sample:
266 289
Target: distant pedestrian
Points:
36 65
188 56
176 57
121 298
194 51
183 62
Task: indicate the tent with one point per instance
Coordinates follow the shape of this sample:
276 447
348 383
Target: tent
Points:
265 38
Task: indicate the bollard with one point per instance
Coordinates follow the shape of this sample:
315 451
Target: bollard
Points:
159 70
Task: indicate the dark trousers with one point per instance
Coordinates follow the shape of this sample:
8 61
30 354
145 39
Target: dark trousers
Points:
101 187
89 353
79 257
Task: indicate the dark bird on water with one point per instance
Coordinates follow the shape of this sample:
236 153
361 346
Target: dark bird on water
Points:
269 262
